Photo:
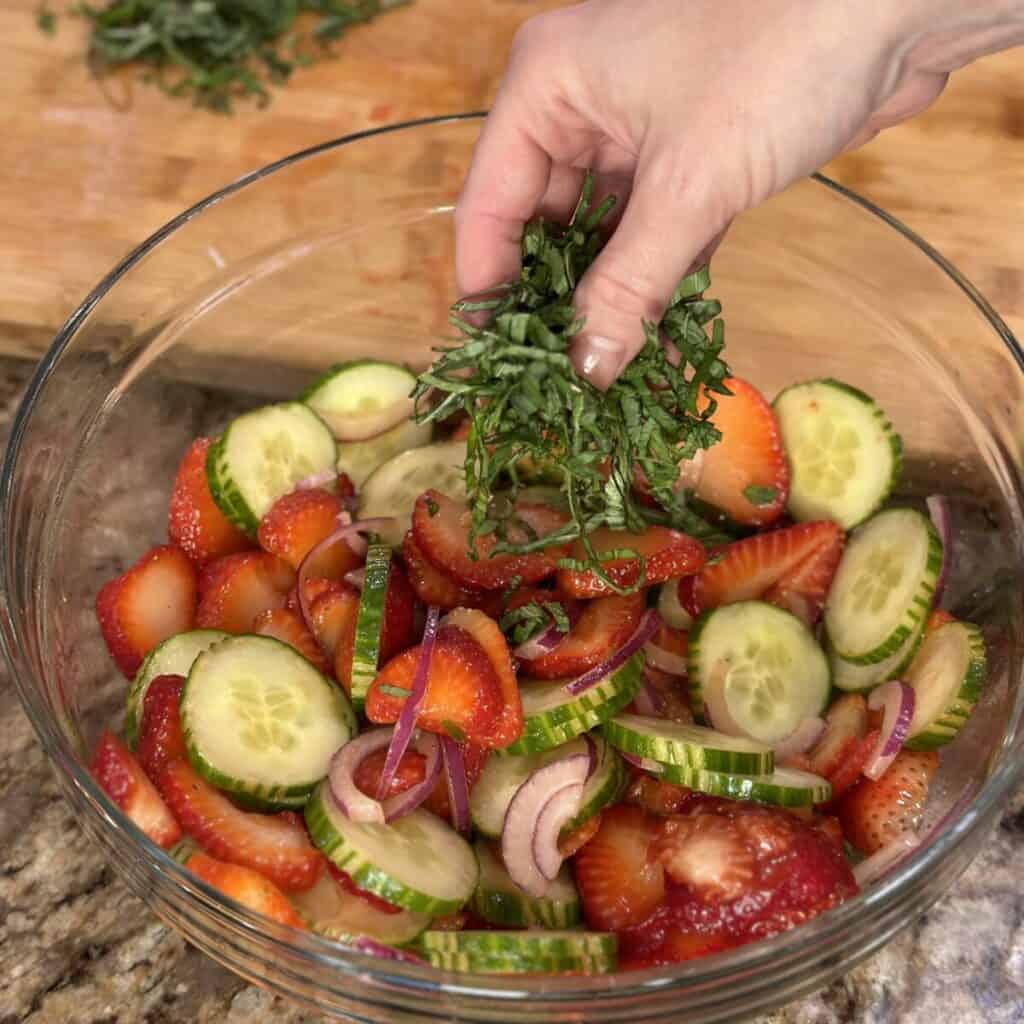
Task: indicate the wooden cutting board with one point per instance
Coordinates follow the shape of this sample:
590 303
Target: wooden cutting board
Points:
87 170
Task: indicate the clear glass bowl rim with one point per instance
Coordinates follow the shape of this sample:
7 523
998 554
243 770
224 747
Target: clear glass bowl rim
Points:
748 962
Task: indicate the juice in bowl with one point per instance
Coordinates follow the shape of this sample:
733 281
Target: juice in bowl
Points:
569 724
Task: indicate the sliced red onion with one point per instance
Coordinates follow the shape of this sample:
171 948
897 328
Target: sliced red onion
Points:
666 661
801 739
309 483
896 700
407 717
374 948
648 700
458 784
643 763
669 608
647 628
356 577
529 852
355 804
543 643
591 754
872 868
938 509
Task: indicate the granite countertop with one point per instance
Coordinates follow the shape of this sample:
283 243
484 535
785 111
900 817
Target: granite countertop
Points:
77 948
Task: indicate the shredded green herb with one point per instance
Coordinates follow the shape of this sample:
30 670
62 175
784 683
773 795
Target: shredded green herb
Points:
394 691
219 51
514 379
529 620
758 495
46 20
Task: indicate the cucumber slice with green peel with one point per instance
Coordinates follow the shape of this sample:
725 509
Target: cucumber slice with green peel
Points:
502 776
857 678
173 657
358 400
784 787
480 963
370 621
882 591
689 746
843 453
417 861
262 455
329 910
499 900
261 722
528 952
358 459
947 675
392 489
553 716
756 671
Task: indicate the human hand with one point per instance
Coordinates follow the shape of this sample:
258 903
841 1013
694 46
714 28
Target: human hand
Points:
691 112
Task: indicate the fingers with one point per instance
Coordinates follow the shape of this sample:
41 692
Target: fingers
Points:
664 230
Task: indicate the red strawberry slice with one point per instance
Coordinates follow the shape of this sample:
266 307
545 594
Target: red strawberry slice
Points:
745 474
873 814
289 628
398 628
244 886
621 882
440 527
312 588
153 600
297 522
160 736
275 845
850 766
656 795
667 554
937 619
846 725
463 698
484 630
195 522
603 627
114 767
792 568
345 881
332 617
433 587
235 589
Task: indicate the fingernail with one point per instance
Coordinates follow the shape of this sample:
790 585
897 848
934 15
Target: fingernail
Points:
600 360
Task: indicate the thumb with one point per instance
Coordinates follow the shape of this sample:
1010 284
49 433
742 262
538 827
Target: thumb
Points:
664 231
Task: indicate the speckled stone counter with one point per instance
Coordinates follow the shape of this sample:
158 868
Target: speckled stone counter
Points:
77 948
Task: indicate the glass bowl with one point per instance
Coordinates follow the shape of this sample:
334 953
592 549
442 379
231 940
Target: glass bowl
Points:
345 250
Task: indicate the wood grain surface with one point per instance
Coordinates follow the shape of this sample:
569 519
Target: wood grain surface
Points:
89 169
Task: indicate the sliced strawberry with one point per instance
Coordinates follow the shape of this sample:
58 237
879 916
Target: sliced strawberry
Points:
463 697
667 554
333 616
603 627
235 589
873 814
244 886
297 522
346 883
572 842
937 619
275 845
707 853
485 631
289 628
160 736
195 522
440 527
676 947
745 474
114 767
153 600
621 882
398 629
313 588
656 795
846 725
433 587
850 766
672 695
792 568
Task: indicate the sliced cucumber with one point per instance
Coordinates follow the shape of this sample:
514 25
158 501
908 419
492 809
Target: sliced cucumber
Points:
392 489
844 455
947 675
882 590
331 911
261 722
358 459
352 397
756 671
553 716
417 861
172 657
520 952
784 787
370 621
262 455
690 746
499 900
856 678
502 776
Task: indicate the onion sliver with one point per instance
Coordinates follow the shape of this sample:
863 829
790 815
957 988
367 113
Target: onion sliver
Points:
321 479
372 947
543 643
356 577
647 699
801 739
657 657
873 867
647 628
669 608
938 509
458 784
522 844
896 701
